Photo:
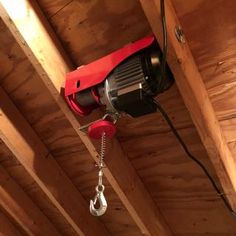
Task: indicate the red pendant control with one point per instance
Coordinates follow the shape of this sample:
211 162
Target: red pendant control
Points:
96 130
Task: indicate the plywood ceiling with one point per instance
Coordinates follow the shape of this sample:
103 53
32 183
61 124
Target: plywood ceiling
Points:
89 30
214 51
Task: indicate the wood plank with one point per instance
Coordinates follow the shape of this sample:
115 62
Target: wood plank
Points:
32 98
179 187
31 189
195 96
229 127
53 7
199 217
51 66
7 228
22 209
214 53
92 29
37 160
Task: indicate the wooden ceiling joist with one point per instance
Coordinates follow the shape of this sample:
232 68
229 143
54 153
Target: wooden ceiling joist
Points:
39 43
195 96
7 228
24 143
22 209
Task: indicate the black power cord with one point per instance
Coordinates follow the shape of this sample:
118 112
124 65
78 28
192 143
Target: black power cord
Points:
168 120
165 46
185 148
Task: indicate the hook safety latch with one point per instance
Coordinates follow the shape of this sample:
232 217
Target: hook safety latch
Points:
101 200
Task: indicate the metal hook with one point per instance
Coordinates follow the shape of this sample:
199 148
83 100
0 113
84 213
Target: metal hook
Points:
102 201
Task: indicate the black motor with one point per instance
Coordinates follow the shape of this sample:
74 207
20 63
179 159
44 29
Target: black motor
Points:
131 86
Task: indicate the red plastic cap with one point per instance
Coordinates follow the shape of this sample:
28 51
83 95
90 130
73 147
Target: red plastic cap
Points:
96 129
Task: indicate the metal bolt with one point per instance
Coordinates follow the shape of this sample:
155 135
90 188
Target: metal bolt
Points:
179 34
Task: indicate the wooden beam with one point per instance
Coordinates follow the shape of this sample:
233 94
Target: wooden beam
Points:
39 43
30 151
7 228
195 96
22 209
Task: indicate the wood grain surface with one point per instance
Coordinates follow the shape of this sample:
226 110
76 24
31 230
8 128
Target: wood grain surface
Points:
212 42
89 30
44 52
34 101
7 227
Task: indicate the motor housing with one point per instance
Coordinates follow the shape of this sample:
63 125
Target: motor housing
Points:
126 81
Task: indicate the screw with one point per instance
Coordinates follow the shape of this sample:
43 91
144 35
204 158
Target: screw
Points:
179 34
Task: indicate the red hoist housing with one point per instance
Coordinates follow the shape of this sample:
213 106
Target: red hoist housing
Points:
123 81
95 73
